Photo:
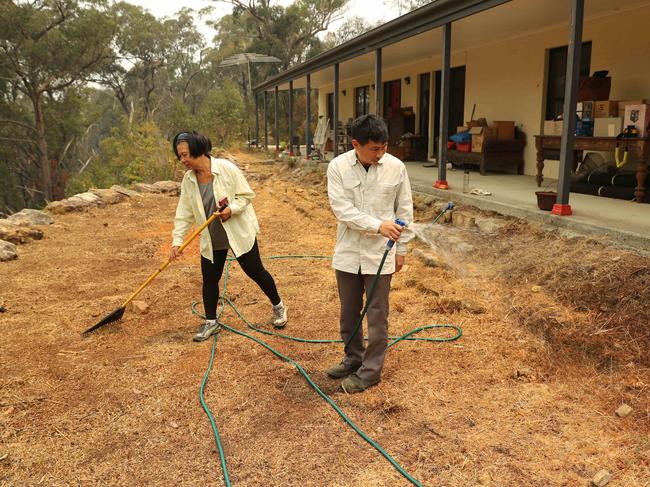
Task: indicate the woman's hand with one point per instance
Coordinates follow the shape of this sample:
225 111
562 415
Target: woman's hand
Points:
225 214
174 253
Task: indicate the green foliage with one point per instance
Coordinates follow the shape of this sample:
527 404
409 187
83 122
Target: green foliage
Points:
223 116
127 156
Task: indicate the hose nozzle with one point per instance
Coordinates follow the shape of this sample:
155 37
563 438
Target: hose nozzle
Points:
400 222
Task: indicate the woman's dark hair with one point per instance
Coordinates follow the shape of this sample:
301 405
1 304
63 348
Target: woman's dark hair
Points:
198 144
369 127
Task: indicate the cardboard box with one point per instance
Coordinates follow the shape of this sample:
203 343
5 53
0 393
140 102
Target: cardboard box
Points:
481 122
605 109
608 127
480 135
585 110
461 129
637 115
553 127
594 88
623 103
505 130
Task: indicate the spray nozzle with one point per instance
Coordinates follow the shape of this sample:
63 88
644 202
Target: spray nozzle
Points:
450 206
400 222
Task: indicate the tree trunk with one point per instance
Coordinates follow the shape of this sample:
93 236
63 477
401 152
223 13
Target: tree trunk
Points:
45 174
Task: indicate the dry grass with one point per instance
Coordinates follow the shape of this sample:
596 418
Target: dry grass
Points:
506 405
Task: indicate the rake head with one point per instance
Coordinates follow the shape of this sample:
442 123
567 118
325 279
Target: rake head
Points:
114 316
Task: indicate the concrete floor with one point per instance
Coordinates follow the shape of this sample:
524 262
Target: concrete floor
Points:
626 222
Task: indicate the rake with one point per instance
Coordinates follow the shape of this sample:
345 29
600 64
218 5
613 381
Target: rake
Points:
119 312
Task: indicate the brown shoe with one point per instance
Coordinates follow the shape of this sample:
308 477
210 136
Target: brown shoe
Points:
353 383
341 370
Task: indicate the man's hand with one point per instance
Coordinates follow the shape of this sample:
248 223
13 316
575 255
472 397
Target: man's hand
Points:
399 262
390 230
174 253
225 214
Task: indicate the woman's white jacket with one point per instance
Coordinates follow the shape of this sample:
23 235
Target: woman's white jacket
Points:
228 181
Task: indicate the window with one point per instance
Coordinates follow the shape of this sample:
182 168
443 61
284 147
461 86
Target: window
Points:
361 101
392 97
556 76
330 107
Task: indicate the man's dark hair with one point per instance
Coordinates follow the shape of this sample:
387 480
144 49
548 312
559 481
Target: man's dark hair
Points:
198 144
369 127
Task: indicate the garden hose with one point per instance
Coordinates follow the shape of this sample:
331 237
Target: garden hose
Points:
407 336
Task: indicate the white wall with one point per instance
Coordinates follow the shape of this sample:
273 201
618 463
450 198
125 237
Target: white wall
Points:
506 79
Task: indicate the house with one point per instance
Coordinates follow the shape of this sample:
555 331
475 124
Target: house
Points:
502 60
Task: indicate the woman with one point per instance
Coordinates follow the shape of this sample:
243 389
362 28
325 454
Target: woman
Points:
208 181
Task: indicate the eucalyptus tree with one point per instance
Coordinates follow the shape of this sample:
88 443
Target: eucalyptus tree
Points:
47 47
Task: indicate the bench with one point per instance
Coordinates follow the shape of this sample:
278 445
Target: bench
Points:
496 155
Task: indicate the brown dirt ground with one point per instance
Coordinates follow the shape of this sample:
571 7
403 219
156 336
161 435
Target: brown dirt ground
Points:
121 407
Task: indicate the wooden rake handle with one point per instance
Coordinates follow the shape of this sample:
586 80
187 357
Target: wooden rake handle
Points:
169 260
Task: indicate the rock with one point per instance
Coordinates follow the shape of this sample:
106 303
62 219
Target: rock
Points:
29 216
146 188
462 219
172 188
601 479
490 225
126 192
536 289
109 196
429 200
522 373
89 199
7 251
66 206
18 234
139 307
429 260
623 410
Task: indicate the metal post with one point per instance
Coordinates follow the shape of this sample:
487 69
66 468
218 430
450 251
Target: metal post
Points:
308 115
562 206
335 122
379 92
257 120
442 183
266 120
277 119
291 118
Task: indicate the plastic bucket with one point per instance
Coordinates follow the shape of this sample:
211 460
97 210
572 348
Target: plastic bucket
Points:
546 199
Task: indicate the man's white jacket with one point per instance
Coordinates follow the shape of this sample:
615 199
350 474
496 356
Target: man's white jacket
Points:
361 201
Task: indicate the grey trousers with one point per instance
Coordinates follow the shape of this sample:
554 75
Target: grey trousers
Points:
369 359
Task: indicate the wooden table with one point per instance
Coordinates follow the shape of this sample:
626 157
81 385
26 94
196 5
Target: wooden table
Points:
548 147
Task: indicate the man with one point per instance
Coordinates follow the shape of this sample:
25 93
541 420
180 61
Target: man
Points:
367 189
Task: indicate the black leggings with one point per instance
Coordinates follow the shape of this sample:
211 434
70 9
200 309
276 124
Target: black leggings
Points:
250 262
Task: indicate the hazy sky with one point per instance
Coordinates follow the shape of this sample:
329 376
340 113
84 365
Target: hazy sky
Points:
368 9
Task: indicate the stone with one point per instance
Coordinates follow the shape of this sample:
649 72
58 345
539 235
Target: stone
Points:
66 206
89 198
30 216
462 219
428 259
490 225
7 251
126 192
601 479
18 234
109 196
623 410
536 289
146 188
172 188
139 307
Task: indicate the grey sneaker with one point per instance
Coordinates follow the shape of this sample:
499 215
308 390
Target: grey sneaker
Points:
279 319
341 370
353 383
206 330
